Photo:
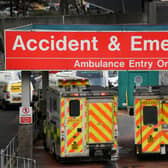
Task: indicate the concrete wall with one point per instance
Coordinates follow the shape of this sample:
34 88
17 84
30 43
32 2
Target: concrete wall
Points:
83 19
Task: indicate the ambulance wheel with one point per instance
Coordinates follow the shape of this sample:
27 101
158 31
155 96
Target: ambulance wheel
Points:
138 156
57 157
52 150
61 160
107 154
91 153
1 104
45 144
4 105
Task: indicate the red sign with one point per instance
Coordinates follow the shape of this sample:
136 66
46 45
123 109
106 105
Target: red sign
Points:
86 50
25 115
25 120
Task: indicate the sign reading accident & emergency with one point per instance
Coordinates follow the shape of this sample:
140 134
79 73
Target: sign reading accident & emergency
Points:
86 50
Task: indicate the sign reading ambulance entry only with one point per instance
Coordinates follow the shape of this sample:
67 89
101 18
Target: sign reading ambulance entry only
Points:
25 115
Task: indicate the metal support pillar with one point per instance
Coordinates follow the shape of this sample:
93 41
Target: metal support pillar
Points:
25 134
45 82
2 158
43 99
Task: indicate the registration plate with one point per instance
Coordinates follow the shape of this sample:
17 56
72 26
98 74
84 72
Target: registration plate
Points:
150 139
16 99
75 146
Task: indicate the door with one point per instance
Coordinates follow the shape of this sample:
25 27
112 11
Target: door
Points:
150 130
100 126
164 122
74 126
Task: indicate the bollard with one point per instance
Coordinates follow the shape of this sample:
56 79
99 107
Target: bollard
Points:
2 158
34 164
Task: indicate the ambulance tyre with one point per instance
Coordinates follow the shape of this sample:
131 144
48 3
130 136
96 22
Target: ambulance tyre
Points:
57 157
138 156
55 154
53 150
107 154
45 144
61 160
1 104
91 153
4 105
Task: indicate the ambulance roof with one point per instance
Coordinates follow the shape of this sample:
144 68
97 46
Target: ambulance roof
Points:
8 76
151 91
113 91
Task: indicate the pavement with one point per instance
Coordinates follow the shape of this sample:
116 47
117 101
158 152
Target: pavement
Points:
46 160
8 126
123 112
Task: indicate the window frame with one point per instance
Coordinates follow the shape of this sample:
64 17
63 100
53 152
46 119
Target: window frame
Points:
77 112
150 120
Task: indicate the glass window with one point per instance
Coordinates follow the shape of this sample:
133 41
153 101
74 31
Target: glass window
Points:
95 77
150 115
90 74
112 73
74 107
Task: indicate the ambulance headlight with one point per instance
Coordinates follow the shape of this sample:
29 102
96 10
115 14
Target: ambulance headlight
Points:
164 126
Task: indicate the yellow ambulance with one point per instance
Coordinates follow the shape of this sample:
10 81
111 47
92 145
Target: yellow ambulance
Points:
151 120
81 120
11 93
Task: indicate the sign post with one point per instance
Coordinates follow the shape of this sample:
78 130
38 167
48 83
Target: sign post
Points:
25 132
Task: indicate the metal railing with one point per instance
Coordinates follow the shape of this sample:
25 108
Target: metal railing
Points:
9 158
16 162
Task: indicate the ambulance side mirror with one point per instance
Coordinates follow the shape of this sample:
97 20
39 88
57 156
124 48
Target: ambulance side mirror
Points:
131 111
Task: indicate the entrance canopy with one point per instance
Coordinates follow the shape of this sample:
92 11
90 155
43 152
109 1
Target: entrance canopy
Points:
87 47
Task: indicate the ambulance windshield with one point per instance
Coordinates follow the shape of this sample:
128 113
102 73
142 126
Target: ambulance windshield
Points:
95 77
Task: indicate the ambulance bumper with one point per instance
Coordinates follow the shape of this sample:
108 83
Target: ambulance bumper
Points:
101 146
163 150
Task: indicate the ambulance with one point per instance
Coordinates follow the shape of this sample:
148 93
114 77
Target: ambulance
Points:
11 93
151 120
81 120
